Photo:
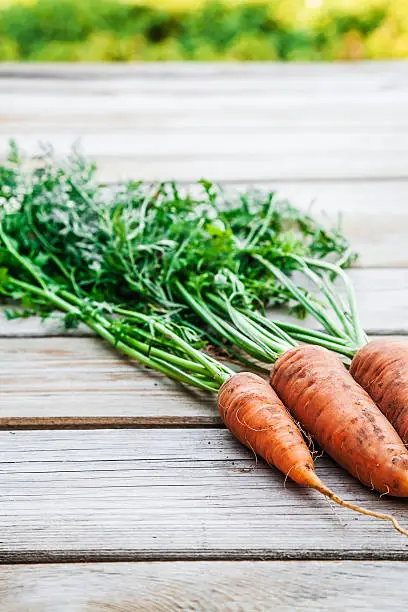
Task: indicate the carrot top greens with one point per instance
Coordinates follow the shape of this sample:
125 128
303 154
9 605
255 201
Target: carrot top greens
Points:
158 343
188 255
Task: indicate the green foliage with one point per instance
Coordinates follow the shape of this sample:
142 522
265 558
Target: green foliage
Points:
9 51
252 47
134 242
154 253
109 30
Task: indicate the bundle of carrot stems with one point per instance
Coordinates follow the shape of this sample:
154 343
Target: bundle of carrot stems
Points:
180 281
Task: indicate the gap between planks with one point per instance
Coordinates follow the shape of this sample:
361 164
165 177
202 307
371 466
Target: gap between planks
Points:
112 422
88 557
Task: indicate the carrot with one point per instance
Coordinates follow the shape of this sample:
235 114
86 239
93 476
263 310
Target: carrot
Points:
259 419
320 393
381 368
256 416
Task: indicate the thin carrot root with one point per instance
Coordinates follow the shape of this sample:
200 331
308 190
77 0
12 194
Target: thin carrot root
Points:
387 517
361 510
256 416
318 485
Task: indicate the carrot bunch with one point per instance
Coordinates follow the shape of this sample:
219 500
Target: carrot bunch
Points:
248 405
160 282
317 389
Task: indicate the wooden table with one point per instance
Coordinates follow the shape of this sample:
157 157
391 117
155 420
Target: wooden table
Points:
106 463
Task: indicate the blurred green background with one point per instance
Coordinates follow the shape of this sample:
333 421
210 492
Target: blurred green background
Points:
172 30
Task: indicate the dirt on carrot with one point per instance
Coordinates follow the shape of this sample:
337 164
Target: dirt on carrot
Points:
256 416
320 393
381 368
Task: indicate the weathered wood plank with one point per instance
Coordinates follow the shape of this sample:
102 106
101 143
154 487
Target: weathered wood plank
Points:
276 157
189 168
379 238
381 295
374 214
316 116
293 125
392 75
168 494
252 586
69 382
264 146
257 122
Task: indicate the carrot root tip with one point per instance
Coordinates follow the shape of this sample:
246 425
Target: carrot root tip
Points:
379 515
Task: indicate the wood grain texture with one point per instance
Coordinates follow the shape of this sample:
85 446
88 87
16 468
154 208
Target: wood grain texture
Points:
173 494
84 382
335 135
373 214
218 155
250 586
258 122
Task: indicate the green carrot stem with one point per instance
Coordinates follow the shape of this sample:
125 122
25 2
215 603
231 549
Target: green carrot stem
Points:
164 356
310 307
360 335
327 291
207 362
269 324
222 327
269 348
202 362
305 335
235 355
258 231
332 346
242 321
292 328
21 259
159 365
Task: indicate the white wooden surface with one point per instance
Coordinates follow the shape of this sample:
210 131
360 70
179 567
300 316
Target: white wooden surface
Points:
336 136
172 484
68 381
236 586
174 494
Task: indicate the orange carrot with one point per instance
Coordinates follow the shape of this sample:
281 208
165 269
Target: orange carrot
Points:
320 393
381 368
257 417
